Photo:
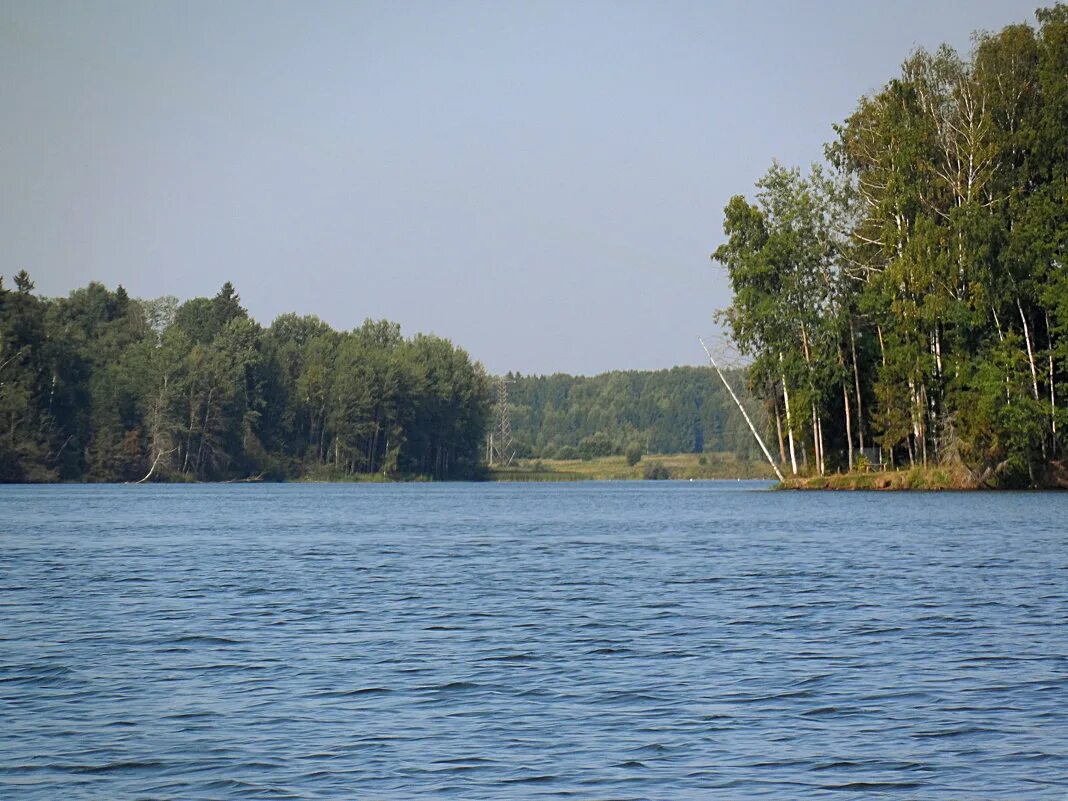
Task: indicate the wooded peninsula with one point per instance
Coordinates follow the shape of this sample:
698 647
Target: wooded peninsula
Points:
911 292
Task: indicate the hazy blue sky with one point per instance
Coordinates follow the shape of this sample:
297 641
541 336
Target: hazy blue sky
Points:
540 182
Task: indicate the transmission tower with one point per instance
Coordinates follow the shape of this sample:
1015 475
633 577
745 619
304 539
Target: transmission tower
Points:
500 440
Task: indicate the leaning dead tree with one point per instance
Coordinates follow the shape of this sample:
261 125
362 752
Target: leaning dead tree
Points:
155 462
741 408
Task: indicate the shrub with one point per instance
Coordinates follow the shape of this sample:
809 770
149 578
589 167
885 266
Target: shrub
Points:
567 452
634 453
595 445
654 471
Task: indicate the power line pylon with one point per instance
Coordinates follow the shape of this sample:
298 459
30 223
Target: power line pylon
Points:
500 439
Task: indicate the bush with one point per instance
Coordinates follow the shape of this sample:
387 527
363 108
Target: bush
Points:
596 445
634 453
567 452
654 471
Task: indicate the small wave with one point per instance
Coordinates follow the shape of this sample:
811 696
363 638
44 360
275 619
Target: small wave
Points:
354 693
35 676
200 639
961 731
539 779
451 687
509 658
874 786
120 766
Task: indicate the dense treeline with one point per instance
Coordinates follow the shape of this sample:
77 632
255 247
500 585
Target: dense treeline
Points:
913 294
681 410
102 387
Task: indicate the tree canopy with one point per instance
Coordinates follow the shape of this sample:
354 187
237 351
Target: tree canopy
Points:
681 410
912 293
102 387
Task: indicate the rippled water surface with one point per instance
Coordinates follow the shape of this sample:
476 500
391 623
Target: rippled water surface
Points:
603 641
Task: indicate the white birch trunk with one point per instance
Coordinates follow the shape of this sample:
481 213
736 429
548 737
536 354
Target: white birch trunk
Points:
1030 350
789 420
1052 391
856 383
849 426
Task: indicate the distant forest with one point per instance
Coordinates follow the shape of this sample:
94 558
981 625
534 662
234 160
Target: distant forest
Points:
912 293
102 387
681 410
99 386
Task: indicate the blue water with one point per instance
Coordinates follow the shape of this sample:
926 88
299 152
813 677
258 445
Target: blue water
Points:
598 641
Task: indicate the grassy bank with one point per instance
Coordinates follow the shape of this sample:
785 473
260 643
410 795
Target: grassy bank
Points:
328 475
680 466
943 477
916 478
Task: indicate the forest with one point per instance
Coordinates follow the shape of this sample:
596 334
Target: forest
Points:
910 291
681 410
99 386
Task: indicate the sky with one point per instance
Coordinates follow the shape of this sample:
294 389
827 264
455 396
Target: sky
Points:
540 182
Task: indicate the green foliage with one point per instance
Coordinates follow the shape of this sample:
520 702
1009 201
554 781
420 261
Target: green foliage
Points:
655 471
100 387
681 410
634 453
596 445
917 298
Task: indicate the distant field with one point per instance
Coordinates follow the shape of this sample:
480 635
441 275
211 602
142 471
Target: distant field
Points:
615 468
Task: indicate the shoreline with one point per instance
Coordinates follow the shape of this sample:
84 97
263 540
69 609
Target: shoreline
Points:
675 467
916 479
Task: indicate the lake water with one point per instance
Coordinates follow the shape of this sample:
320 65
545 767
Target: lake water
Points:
653 640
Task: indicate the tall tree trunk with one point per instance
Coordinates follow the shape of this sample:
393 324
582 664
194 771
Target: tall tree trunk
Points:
816 452
848 416
322 434
778 431
823 449
1030 350
1052 391
915 418
1001 338
1031 363
882 358
815 439
921 398
849 426
204 430
856 383
189 437
789 421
